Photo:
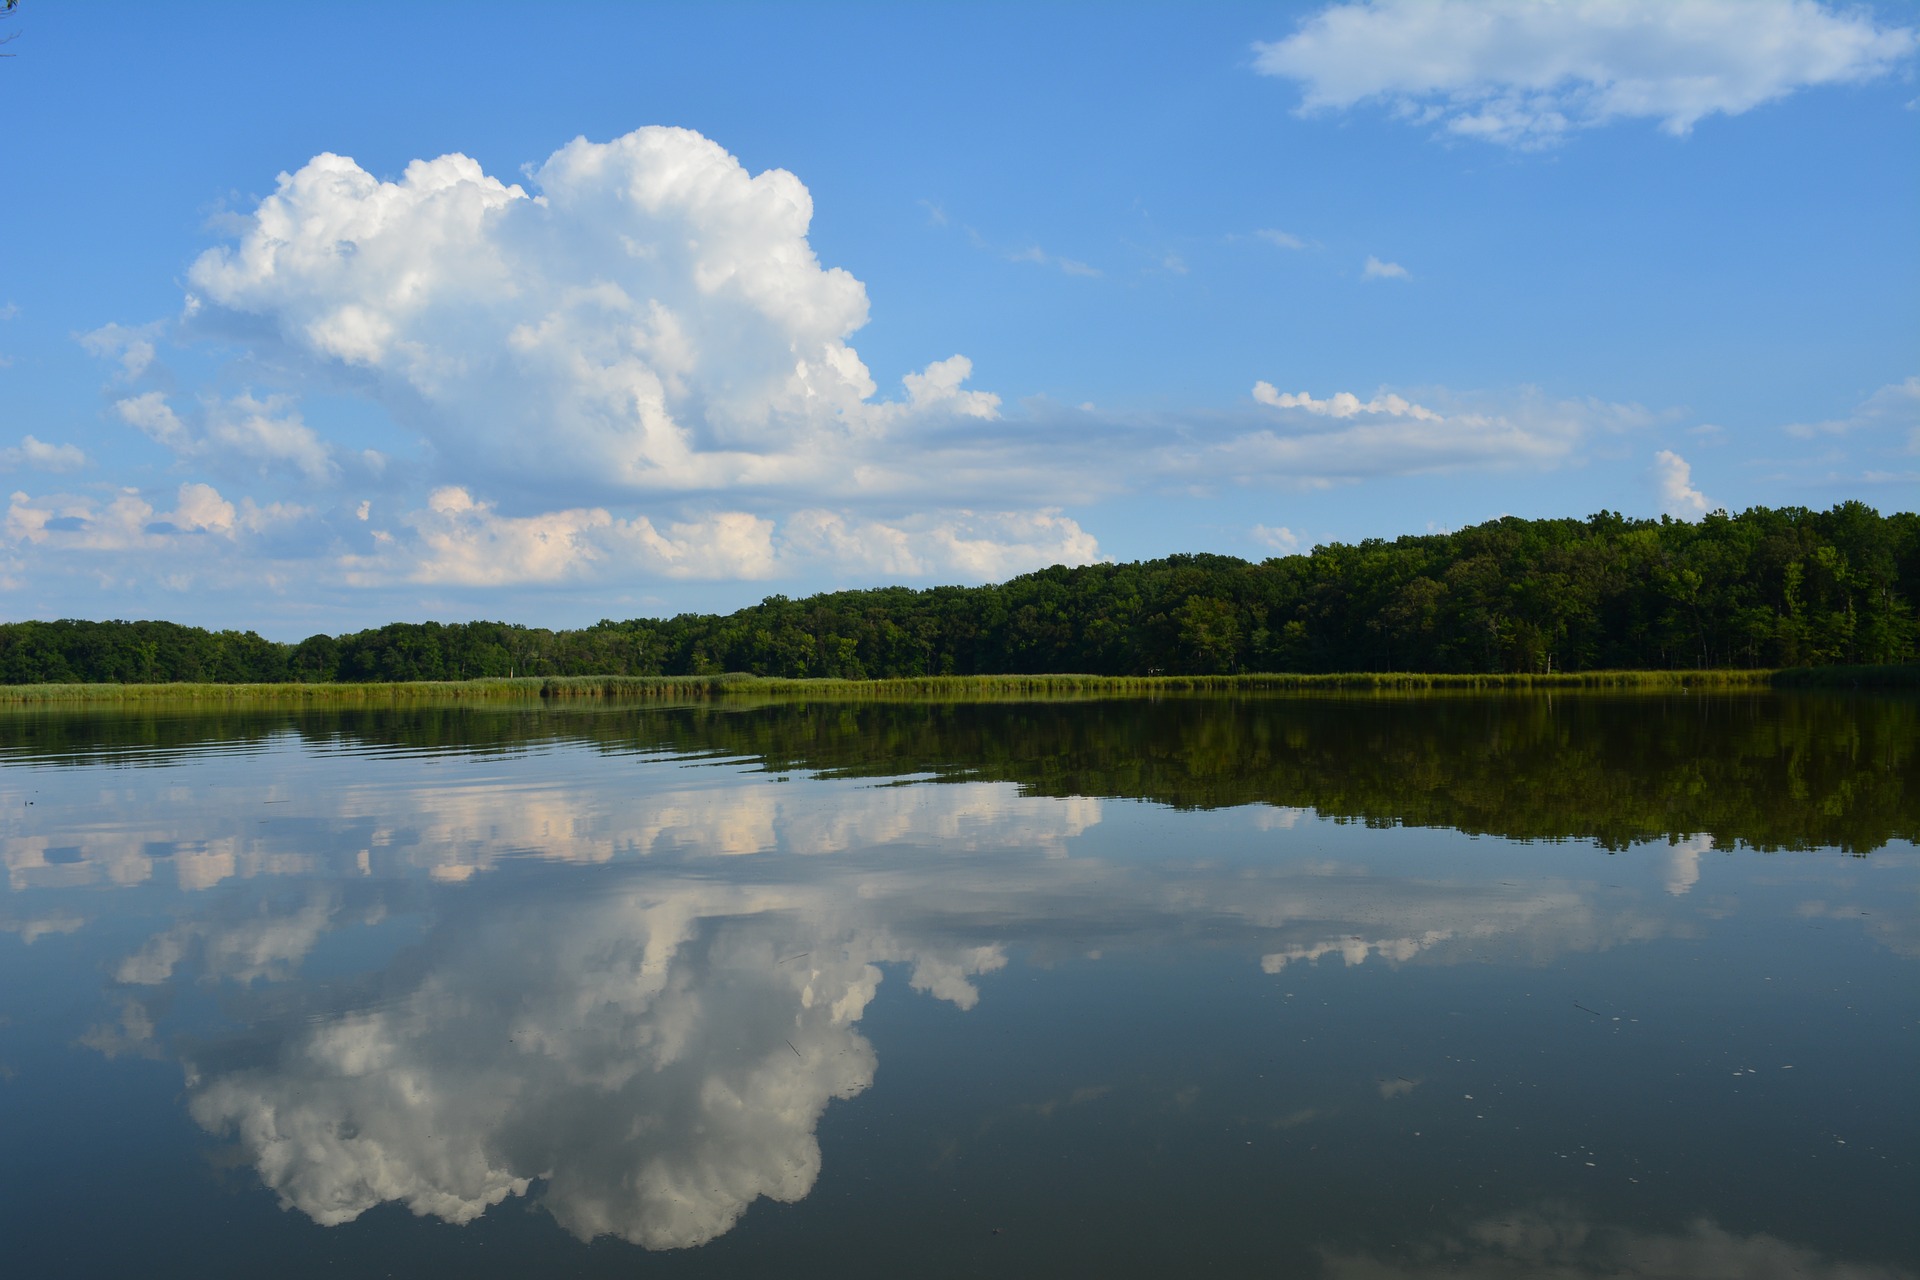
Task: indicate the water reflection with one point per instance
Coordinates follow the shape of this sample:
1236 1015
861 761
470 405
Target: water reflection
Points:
1556 1241
1771 771
568 965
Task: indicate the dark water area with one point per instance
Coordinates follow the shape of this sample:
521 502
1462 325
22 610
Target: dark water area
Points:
1583 986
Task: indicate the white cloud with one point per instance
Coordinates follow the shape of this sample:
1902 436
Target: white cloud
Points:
971 546
128 521
132 346
1278 537
1343 404
1674 478
1315 443
458 540
270 432
42 456
1066 266
1280 239
150 413
1527 72
1378 270
653 322
242 429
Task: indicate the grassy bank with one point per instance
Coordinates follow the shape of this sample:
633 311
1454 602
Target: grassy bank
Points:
700 688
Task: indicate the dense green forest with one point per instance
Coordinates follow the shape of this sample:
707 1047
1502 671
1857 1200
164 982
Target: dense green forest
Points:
1766 588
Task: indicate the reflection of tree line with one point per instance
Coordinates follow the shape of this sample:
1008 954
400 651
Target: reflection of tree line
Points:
1773 771
1763 589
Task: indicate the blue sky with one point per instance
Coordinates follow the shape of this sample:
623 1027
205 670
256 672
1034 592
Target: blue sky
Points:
679 306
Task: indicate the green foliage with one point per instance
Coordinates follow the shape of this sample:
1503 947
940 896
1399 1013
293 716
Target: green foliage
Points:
1761 590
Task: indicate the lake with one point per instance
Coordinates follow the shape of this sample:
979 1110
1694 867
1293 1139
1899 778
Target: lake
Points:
1591 985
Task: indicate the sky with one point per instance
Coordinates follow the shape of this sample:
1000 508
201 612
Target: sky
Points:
318 317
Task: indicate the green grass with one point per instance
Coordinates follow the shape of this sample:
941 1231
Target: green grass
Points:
959 688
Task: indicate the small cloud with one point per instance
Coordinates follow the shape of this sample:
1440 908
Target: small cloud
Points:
1174 264
131 345
1342 404
42 456
1280 239
1674 478
936 215
1279 537
9 311
1040 257
1378 270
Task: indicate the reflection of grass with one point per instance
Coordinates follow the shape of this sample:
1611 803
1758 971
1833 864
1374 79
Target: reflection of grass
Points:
1884 677
960 688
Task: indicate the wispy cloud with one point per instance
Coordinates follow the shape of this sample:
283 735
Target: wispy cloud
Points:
1040 257
1375 269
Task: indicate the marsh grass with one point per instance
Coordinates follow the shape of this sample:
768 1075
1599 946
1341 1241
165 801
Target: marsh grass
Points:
942 688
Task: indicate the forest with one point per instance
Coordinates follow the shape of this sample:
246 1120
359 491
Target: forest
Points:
1767 588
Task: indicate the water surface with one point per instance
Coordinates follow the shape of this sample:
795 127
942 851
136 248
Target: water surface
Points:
1341 986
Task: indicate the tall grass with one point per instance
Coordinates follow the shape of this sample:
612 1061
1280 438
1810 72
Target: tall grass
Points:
960 688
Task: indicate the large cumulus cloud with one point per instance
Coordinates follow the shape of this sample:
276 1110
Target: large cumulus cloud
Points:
653 320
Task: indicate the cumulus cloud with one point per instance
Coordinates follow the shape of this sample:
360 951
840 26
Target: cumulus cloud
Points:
1526 74
1673 476
1378 270
42 456
654 321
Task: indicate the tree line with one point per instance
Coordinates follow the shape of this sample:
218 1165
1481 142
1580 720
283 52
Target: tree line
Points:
1766 588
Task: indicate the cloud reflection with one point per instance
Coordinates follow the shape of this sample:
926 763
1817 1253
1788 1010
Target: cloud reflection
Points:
656 1059
1558 1243
636 1004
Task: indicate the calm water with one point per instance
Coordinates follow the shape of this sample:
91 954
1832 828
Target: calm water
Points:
1357 988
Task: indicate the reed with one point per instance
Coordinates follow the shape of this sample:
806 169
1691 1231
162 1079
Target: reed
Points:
956 688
